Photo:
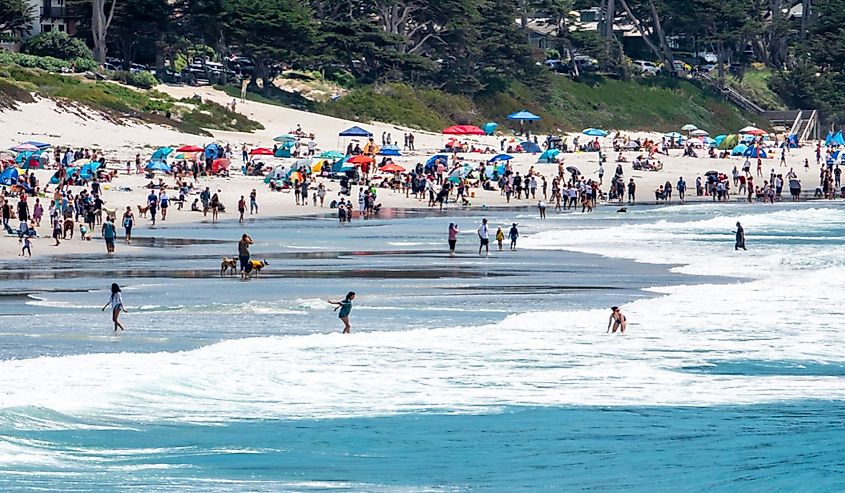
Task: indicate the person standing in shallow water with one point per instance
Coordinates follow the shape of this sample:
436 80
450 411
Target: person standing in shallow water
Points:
453 237
345 307
617 319
116 302
740 237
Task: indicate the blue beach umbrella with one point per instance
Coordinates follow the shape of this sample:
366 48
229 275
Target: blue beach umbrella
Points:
673 135
331 155
524 116
500 157
489 127
595 132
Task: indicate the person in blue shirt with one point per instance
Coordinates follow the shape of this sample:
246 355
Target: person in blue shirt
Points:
109 234
345 306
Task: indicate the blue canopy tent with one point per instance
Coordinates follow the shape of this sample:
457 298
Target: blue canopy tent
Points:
755 152
490 127
529 146
548 156
25 159
430 163
719 138
792 141
739 150
161 154
9 177
284 150
39 145
157 166
355 132
595 132
390 151
500 157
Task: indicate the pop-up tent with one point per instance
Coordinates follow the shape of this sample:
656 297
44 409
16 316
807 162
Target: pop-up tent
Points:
161 153
529 146
834 139
490 127
755 152
464 130
87 171
548 156
284 150
157 166
500 157
390 151
355 132
9 176
728 142
442 157
739 149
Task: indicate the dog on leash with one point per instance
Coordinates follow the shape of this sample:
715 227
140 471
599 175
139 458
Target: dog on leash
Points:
228 265
142 210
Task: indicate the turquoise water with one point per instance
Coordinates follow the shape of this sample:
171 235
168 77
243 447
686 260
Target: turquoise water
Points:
461 374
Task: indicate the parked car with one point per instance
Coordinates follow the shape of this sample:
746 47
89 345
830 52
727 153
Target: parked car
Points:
585 63
646 68
556 66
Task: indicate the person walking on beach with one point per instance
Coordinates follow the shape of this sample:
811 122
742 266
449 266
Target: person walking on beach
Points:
541 206
513 234
681 187
109 234
453 237
116 302
483 237
241 209
345 307
27 247
617 319
215 207
152 206
243 254
253 202
740 237
128 222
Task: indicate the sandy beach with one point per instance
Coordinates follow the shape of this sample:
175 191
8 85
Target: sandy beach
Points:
45 121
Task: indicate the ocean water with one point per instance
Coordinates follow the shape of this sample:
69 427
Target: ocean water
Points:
462 373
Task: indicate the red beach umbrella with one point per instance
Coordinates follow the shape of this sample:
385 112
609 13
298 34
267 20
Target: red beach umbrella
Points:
261 151
189 148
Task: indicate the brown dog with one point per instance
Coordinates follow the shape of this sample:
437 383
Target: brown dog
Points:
67 228
142 210
228 264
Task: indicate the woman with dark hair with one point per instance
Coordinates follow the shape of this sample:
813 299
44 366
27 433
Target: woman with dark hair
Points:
116 302
345 307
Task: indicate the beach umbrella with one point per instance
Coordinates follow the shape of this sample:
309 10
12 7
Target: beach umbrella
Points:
464 130
81 162
594 132
40 145
331 155
161 153
285 138
573 170
748 130
360 159
689 127
25 148
392 168
430 162
490 127
302 163
189 148
294 176
261 151
529 146
461 172
673 135
211 151
500 157
523 116
757 131
712 172
699 133
739 149
355 131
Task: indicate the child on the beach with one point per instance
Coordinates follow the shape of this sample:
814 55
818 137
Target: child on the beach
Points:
500 237
116 302
27 247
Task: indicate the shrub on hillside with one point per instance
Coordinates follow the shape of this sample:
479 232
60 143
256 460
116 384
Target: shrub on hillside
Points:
143 80
48 63
58 45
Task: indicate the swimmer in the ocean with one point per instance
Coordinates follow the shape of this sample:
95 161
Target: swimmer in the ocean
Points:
617 319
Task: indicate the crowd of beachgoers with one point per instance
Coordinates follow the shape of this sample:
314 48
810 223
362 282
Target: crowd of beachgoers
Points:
63 192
